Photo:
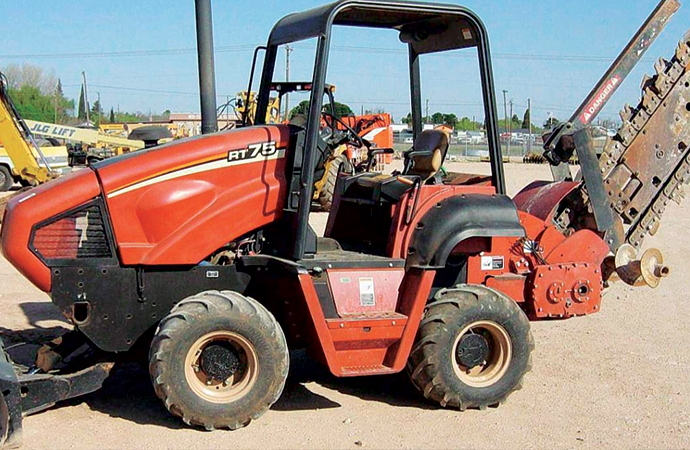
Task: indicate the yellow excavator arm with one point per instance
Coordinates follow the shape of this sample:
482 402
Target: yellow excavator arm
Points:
19 144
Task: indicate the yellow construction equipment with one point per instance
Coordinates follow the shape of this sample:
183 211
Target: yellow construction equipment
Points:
28 160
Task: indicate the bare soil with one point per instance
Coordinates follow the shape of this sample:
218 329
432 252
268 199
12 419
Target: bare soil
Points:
617 379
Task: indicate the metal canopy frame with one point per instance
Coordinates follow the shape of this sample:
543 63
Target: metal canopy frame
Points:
425 27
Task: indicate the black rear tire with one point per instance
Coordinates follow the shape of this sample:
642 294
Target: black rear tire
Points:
447 338
6 180
223 322
339 164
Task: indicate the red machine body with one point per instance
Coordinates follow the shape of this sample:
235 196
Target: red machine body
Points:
175 205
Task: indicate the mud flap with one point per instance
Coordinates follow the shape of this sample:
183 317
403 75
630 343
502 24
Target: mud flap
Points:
10 404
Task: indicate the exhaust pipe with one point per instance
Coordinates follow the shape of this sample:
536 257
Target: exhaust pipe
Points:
207 71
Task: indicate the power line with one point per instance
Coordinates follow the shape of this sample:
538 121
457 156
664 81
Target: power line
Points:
128 54
338 48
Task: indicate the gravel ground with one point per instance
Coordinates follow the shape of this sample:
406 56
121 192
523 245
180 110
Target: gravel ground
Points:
617 379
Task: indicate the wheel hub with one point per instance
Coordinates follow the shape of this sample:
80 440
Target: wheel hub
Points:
472 350
219 361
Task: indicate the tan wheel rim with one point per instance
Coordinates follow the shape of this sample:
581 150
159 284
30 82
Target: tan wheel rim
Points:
232 388
498 359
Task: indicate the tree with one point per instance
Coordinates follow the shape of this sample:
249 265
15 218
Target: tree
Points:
437 118
96 110
467 124
111 119
516 121
30 75
527 119
31 104
81 114
450 119
38 95
64 108
551 122
407 119
341 109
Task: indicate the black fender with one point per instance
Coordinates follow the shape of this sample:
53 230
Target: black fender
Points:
456 219
10 404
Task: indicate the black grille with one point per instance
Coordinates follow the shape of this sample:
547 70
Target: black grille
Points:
79 234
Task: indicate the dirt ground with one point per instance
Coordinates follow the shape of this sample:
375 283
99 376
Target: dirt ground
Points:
617 379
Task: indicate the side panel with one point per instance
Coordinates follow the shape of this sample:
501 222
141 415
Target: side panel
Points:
365 291
37 205
179 203
137 300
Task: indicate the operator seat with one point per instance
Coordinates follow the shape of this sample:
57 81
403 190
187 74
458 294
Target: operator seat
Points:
427 154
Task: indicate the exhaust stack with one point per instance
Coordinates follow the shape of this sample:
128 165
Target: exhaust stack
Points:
207 71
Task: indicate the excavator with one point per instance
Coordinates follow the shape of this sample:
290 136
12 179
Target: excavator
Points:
198 257
27 162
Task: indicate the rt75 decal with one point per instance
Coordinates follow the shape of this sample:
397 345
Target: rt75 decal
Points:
262 150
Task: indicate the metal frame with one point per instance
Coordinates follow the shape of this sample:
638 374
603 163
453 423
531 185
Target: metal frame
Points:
557 150
417 22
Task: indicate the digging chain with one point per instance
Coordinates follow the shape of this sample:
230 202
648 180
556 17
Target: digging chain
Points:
656 89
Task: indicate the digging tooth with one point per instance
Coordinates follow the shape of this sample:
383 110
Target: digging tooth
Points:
660 66
646 81
627 113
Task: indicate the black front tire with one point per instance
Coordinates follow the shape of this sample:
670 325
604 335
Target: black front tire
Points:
229 316
434 367
6 180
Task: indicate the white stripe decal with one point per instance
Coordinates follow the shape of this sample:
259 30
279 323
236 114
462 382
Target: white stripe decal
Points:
213 165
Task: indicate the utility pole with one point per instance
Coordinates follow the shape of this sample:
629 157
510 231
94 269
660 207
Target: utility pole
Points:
427 111
86 98
288 50
56 101
529 116
510 126
505 114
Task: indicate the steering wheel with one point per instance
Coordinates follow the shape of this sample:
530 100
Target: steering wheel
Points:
351 136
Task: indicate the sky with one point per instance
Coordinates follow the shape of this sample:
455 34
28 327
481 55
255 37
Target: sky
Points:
140 55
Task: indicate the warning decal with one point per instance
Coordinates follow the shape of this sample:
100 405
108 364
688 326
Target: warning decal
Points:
366 292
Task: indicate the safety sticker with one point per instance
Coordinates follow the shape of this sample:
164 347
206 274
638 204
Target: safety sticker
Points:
366 292
493 262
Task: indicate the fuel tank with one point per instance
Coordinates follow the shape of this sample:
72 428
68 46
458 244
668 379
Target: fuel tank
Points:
166 206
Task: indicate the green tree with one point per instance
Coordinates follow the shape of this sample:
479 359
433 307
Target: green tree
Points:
551 122
437 118
64 107
467 124
516 121
111 119
407 119
341 109
527 119
31 104
450 119
81 114
96 112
